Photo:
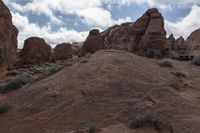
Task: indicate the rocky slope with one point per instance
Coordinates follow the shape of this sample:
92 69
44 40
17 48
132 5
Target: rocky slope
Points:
111 89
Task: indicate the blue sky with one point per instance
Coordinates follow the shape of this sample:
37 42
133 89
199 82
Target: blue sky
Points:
61 21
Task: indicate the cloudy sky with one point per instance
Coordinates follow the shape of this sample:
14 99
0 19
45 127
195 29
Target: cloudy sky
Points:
59 21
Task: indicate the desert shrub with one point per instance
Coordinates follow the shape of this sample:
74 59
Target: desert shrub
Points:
145 118
166 63
12 73
92 128
196 60
181 73
84 61
139 121
4 107
16 83
52 70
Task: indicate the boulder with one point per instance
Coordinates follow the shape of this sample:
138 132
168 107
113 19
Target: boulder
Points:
94 42
35 51
8 39
150 35
180 46
62 51
193 42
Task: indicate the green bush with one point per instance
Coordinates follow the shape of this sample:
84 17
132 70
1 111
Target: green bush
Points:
16 83
181 73
145 118
196 60
52 70
139 121
92 128
166 63
4 107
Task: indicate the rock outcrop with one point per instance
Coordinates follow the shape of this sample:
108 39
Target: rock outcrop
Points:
118 37
35 51
180 46
77 49
150 35
171 42
94 42
8 39
193 42
145 37
62 51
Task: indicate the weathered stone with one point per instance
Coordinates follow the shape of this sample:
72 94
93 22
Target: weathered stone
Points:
8 39
94 42
35 51
62 51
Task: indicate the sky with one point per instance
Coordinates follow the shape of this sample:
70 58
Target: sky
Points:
59 21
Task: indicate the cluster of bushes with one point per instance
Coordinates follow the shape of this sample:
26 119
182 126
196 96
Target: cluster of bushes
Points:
166 63
16 82
4 107
145 118
196 60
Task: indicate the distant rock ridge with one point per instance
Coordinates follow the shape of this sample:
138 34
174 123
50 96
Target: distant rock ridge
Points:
8 39
145 37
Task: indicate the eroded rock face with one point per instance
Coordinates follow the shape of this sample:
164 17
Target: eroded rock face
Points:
8 39
193 42
118 37
180 44
62 51
35 51
171 41
77 49
93 43
145 37
150 35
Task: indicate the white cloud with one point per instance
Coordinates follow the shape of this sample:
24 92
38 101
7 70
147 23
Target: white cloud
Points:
93 13
28 29
186 25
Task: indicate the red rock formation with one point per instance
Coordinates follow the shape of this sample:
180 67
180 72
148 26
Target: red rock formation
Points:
171 41
150 35
62 51
179 43
77 49
117 37
193 42
145 37
8 39
93 43
35 51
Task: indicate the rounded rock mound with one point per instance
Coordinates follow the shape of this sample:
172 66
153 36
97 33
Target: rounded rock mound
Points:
35 51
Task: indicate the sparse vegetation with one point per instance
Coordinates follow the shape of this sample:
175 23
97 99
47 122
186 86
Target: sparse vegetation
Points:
4 107
166 63
144 118
92 128
139 121
16 83
52 70
84 61
181 73
196 60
